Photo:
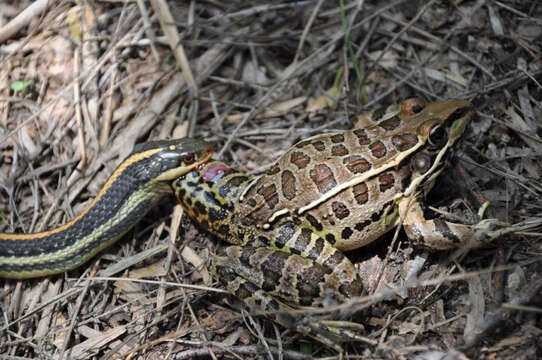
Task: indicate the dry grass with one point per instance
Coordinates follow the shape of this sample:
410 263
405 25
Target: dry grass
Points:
255 77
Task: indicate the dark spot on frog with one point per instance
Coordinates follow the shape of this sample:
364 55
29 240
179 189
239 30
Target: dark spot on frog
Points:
299 159
340 210
339 138
199 208
375 217
271 269
319 145
378 149
302 144
273 170
386 181
323 178
288 184
356 164
404 142
378 114
339 150
264 240
224 229
346 233
361 194
318 247
442 228
269 193
303 240
232 183
315 223
390 124
361 134
362 225
181 192
217 215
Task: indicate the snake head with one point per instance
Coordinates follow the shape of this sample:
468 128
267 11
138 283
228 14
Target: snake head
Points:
166 160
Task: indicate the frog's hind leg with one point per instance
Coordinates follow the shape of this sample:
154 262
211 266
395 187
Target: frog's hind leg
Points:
310 244
269 280
293 278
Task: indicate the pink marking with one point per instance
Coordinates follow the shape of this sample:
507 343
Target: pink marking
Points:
213 172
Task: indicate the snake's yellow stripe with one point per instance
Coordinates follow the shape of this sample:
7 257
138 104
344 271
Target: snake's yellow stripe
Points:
132 190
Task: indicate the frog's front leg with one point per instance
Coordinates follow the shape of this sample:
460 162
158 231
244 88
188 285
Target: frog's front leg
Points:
443 235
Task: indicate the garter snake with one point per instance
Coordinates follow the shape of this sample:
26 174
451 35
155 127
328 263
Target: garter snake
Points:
133 189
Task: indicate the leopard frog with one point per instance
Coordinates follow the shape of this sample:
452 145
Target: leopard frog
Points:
327 194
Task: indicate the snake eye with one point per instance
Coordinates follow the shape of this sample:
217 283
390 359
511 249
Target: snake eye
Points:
437 135
188 159
413 106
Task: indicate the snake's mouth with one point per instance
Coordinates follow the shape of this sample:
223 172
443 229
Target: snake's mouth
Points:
203 157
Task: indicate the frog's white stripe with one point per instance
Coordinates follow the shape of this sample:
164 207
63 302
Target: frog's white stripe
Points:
359 179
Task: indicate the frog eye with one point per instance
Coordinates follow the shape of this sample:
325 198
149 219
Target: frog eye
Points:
437 135
413 106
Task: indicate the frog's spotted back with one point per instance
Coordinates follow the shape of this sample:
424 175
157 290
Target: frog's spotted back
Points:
347 181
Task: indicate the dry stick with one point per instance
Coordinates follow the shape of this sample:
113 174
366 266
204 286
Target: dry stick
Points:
79 116
108 111
513 81
33 302
234 350
23 19
75 176
173 233
73 320
493 319
444 46
306 30
288 73
148 28
442 43
397 35
41 306
7 106
167 23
